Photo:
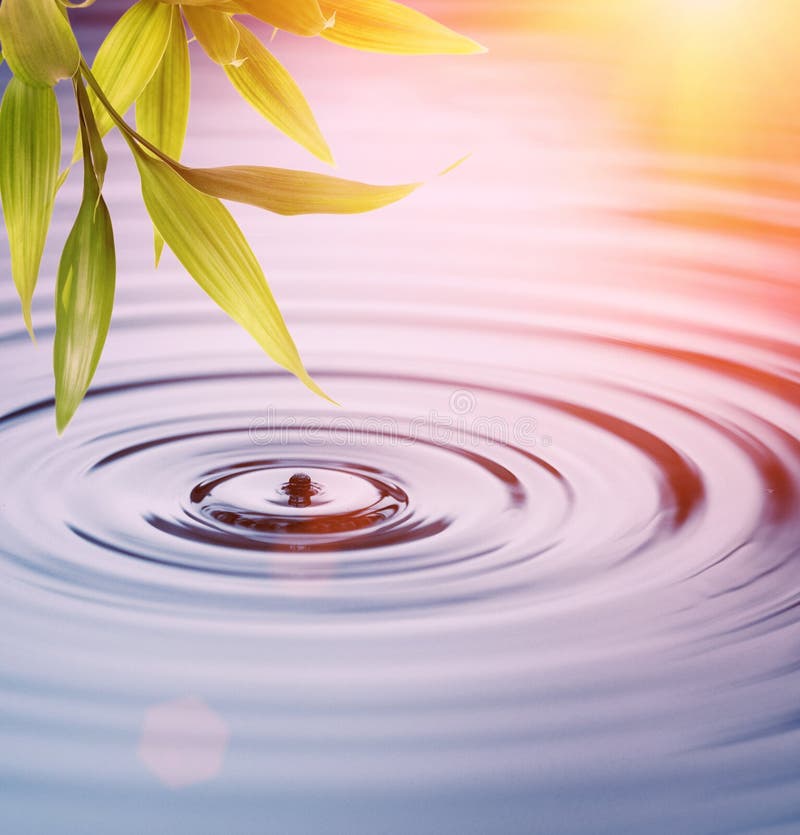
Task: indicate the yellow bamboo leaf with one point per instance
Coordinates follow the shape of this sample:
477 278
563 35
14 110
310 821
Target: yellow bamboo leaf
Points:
279 190
162 110
215 32
85 289
187 3
267 86
288 192
129 56
30 138
38 42
301 17
206 240
386 26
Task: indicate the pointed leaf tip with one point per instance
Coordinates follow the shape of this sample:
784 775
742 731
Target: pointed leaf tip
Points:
289 192
84 299
264 83
207 241
84 294
30 138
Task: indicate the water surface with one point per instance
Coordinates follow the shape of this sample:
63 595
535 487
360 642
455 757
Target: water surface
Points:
545 577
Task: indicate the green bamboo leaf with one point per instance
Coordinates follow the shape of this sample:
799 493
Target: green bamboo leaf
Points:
128 58
99 158
266 85
38 42
289 192
206 240
30 138
84 299
386 26
215 32
162 110
84 290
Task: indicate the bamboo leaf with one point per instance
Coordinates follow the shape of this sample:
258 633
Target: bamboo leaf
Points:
206 240
30 138
289 192
162 110
128 58
84 291
215 32
266 85
300 17
38 42
84 299
386 26
279 190
99 158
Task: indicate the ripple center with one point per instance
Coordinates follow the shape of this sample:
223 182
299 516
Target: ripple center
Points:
265 499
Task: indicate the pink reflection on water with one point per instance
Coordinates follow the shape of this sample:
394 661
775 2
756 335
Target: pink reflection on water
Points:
183 742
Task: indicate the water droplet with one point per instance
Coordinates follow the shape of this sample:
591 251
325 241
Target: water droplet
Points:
300 489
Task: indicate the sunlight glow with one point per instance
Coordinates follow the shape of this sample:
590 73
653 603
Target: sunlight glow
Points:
705 74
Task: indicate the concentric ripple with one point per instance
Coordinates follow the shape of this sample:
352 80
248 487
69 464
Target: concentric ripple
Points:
385 494
575 520
473 500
